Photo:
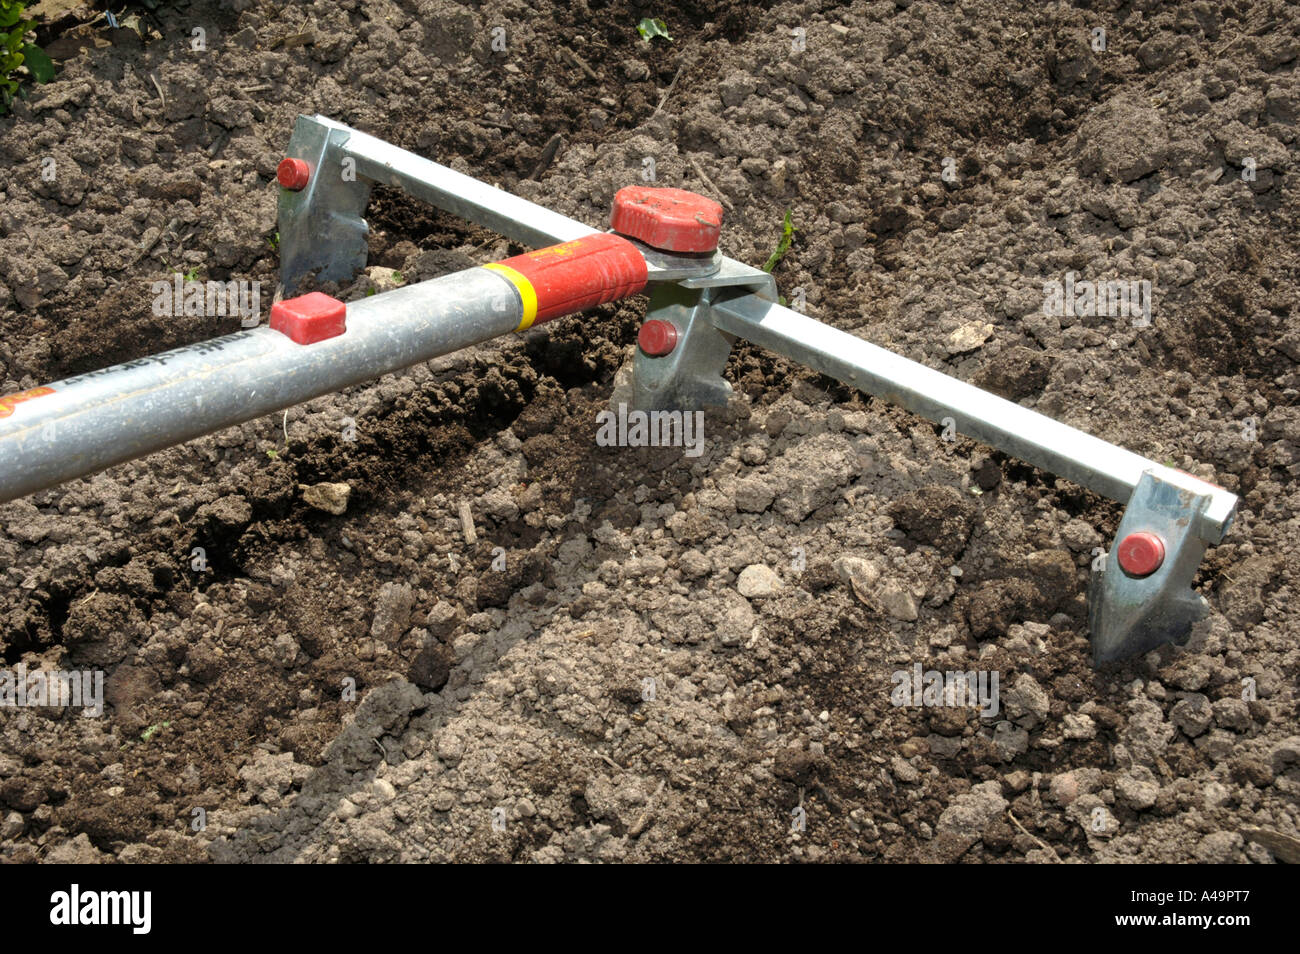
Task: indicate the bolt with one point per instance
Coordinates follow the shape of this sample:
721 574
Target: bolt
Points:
293 174
657 337
1141 553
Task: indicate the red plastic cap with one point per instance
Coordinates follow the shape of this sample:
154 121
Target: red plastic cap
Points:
309 318
293 174
657 337
1141 553
670 219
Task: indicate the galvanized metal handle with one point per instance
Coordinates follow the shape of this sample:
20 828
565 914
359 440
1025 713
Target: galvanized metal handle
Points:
85 423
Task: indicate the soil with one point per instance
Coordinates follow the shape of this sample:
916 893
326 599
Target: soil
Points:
584 680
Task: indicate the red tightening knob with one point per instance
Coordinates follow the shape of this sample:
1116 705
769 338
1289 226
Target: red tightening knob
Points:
1141 553
293 174
657 337
673 220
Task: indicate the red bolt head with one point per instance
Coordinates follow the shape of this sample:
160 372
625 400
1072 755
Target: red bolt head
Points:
673 220
293 174
1141 553
657 337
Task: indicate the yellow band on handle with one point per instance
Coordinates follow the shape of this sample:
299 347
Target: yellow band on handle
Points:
527 294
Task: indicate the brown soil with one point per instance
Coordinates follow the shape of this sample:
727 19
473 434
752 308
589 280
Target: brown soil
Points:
503 714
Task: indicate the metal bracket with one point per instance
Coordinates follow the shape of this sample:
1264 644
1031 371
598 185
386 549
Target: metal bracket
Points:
322 228
1130 614
691 375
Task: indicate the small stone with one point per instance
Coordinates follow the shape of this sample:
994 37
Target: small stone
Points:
332 498
904 772
968 815
777 176
451 748
969 336
860 574
1064 788
1017 781
443 619
1010 740
898 602
1138 789
1193 714
1078 727
384 279
12 826
1286 754
286 650
753 495
78 851
443 801
1026 703
1232 714
694 565
384 789
758 581
1216 795
392 611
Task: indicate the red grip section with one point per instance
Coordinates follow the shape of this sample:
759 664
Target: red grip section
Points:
581 274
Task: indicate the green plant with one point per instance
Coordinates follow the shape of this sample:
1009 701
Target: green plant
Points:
783 246
16 53
149 733
651 27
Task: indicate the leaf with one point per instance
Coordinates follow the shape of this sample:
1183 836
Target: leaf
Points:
132 23
40 65
787 239
651 27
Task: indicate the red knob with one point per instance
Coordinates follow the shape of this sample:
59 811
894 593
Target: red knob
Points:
673 220
1141 553
657 337
293 174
